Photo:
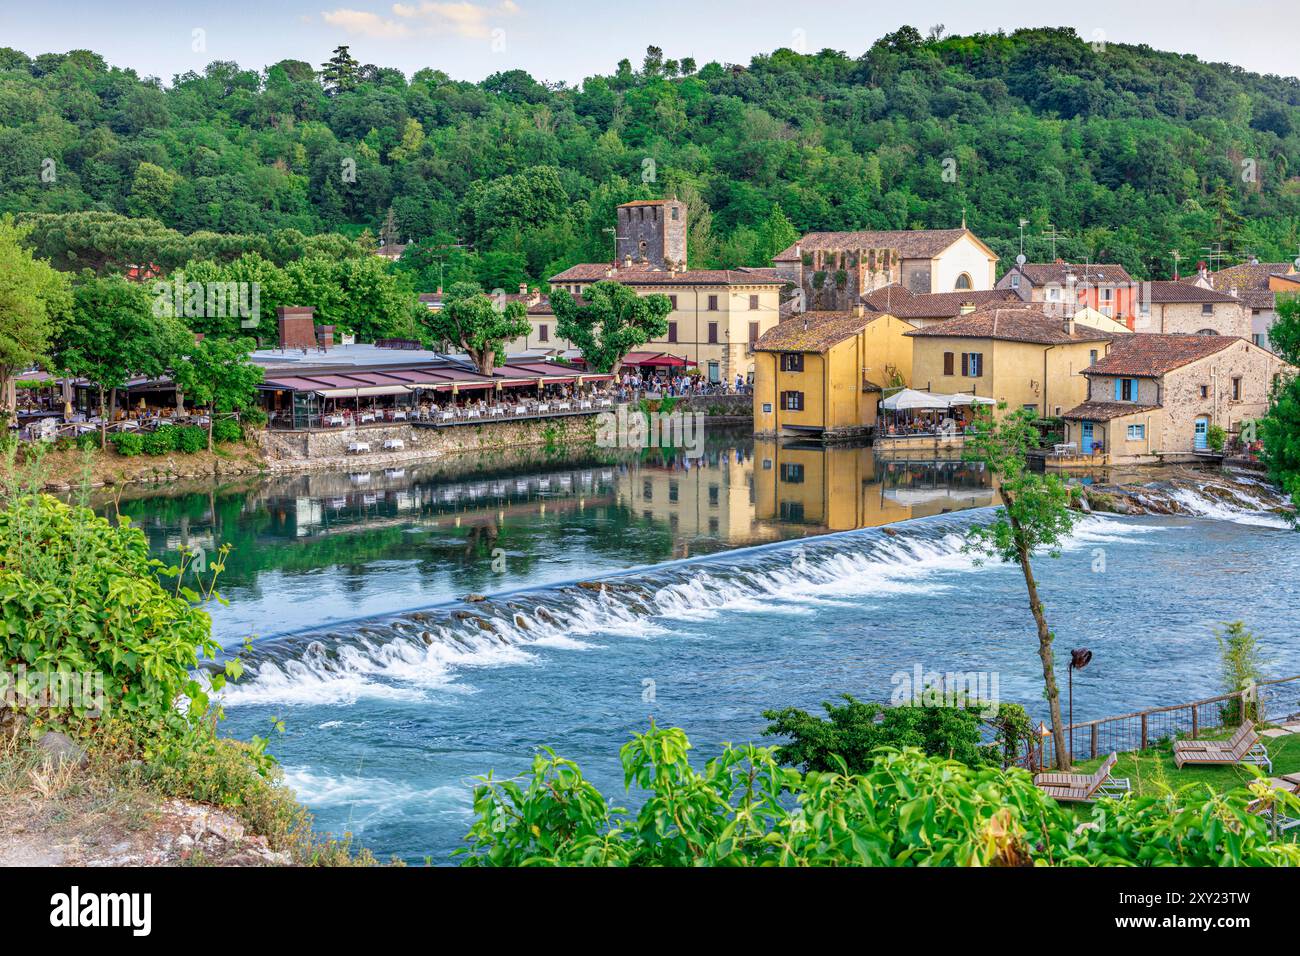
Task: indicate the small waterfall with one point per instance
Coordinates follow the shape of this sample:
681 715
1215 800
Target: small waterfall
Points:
408 655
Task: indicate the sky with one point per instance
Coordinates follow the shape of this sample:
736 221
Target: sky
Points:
567 40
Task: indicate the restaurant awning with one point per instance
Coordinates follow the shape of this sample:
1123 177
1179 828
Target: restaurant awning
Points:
363 391
965 398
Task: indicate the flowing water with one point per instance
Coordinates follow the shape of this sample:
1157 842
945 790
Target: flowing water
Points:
416 628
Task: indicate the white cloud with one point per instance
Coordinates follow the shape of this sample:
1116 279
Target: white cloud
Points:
459 18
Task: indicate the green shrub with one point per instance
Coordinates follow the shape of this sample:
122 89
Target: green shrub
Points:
129 444
226 430
1215 437
191 438
161 440
86 442
906 809
82 596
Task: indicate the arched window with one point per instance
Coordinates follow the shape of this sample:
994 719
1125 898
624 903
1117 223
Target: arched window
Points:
1207 332
963 281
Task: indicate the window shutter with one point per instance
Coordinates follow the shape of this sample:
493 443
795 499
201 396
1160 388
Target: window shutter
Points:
965 363
1119 384
947 363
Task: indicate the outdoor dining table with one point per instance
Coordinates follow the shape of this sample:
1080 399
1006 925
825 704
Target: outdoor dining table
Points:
357 447
448 416
399 416
584 404
472 413
563 406
497 410
335 420
543 408
394 444
367 416
521 409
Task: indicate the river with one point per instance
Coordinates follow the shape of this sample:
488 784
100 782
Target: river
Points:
759 576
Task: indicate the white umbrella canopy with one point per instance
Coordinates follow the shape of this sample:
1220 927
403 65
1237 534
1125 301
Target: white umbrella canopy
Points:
965 398
911 398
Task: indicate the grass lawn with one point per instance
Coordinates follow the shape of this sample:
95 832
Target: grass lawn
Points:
1152 771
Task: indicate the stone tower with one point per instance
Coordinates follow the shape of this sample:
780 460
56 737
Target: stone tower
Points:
652 232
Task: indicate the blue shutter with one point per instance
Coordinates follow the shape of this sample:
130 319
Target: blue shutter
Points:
1119 384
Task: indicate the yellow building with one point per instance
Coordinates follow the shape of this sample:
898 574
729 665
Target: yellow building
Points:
821 373
1021 356
839 488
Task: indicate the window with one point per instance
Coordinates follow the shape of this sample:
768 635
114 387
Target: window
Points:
767 408
1053 293
753 303
1126 389
1258 339
672 331
1107 293
1207 308
714 492
713 333
1144 306
792 401
791 472
792 361
963 281
674 490
1236 388
713 303
1015 280
1092 356
675 213
672 300
543 333
972 364
767 464
647 491
1137 432
1207 332
713 522
1205 391
753 333
947 363
792 511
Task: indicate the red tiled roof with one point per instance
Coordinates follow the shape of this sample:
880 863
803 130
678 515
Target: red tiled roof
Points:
1043 273
596 271
910 243
1105 411
1166 292
1013 324
899 301
812 332
1151 354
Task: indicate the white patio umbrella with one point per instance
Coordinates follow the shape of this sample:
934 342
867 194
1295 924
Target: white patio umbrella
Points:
910 398
965 398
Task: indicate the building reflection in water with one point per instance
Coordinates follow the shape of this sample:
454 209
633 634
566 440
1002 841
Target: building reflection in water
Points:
841 488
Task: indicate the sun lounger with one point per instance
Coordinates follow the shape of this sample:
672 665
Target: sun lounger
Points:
1083 788
1246 729
1247 749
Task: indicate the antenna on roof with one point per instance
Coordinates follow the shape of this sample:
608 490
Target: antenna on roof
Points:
963 217
1174 253
1021 258
1053 235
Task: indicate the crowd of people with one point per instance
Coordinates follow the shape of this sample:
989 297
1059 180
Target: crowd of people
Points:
634 382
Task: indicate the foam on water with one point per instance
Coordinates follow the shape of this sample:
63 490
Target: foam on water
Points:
1251 509
413 656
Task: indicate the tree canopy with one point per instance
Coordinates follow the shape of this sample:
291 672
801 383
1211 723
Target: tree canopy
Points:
472 321
611 321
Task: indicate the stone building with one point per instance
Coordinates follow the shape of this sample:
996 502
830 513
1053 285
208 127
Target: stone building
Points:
1257 285
1157 396
1107 289
833 270
651 233
1185 309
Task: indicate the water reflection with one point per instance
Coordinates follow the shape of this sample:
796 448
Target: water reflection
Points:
316 548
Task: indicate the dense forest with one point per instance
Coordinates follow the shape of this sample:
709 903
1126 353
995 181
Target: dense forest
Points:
1124 152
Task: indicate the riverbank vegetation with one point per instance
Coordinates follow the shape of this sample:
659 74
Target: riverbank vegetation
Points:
904 809
101 648
1280 429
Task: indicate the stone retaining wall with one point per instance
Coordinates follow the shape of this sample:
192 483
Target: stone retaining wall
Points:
291 451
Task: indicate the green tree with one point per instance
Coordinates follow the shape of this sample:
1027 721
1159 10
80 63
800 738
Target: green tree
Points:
216 374
1035 515
33 299
1279 430
470 320
114 332
339 72
611 321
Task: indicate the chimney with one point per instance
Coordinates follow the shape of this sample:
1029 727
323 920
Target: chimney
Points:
523 288
325 337
859 311
297 326
1068 326
1060 262
967 308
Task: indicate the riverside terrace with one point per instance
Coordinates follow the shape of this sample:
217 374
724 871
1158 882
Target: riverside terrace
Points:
355 385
